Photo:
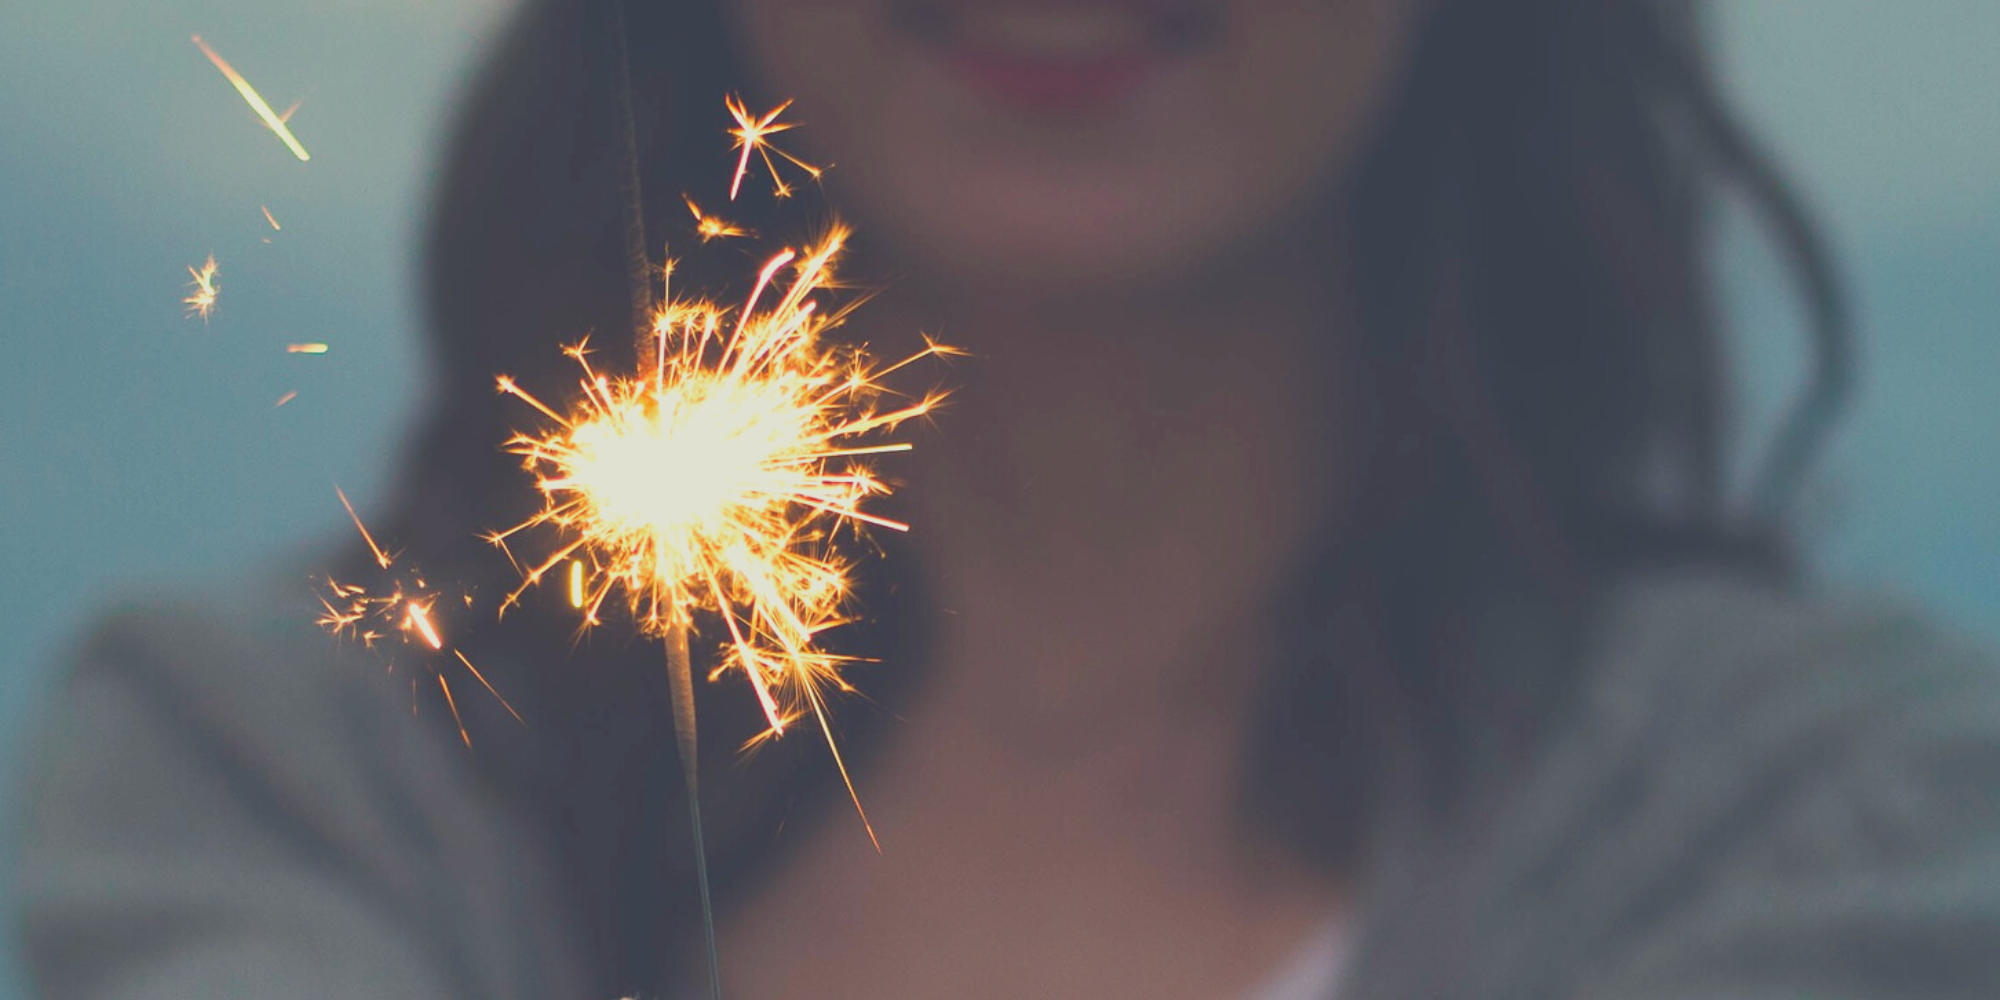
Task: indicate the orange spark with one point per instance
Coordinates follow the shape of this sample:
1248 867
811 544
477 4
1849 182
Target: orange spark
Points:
401 606
286 398
270 219
576 594
421 620
753 135
308 348
710 226
272 119
382 558
453 703
202 301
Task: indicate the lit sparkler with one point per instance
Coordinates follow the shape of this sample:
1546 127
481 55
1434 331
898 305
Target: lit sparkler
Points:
201 302
753 136
717 478
714 478
403 609
272 120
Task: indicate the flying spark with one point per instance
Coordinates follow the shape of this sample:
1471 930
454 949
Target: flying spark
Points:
286 398
272 119
753 136
308 348
717 479
202 301
402 608
711 227
268 217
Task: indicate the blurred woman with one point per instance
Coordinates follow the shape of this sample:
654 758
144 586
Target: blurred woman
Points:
1323 584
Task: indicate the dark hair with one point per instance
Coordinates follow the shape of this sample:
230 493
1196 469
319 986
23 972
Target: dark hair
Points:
1542 352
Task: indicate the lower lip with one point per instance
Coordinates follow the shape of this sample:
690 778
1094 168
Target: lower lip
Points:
1049 86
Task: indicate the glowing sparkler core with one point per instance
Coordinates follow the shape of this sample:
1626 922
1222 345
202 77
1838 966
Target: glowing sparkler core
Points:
717 481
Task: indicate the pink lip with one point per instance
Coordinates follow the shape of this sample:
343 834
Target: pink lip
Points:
1050 86
1059 85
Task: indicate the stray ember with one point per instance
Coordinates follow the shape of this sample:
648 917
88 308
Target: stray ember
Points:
201 302
753 136
401 609
272 120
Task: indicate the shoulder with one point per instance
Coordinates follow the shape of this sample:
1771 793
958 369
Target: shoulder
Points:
249 658
1766 793
1840 718
1702 681
1700 647
238 686
226 761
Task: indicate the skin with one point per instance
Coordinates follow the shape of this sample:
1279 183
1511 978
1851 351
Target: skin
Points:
1148 439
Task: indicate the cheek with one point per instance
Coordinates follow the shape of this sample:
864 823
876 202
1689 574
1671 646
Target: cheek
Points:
1218 148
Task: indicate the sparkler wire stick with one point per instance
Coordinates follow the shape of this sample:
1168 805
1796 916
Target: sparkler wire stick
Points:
639 280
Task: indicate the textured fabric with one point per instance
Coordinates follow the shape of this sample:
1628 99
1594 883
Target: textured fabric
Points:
1753 797
246 813
1314 972
1756 797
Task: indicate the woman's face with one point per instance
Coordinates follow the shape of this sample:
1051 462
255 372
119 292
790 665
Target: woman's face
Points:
1061 146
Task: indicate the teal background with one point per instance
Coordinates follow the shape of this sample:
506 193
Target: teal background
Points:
138 447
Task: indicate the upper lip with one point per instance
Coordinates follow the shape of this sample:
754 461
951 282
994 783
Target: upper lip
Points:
1170 23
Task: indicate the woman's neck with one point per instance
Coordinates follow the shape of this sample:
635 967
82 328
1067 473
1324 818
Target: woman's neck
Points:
1104 515
1115 493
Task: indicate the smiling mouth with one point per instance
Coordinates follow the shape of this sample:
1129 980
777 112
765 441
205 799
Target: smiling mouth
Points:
1058 57
1062 31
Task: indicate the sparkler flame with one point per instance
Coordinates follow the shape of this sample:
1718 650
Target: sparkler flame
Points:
202 301
272 120
753 136
717 480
